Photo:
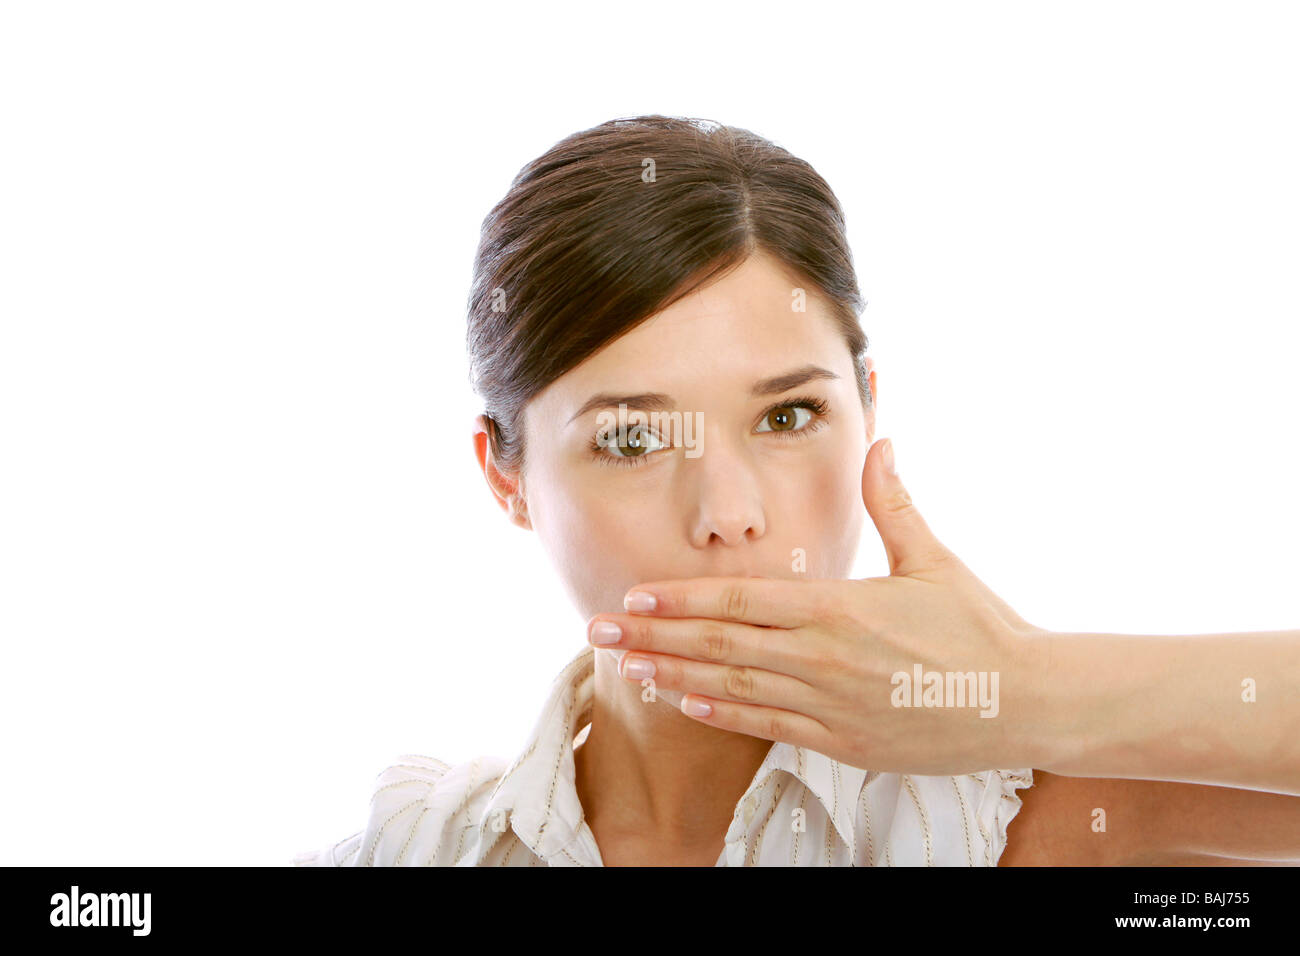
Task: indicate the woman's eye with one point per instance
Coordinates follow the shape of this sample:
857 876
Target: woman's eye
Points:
636 442
785 418
793 419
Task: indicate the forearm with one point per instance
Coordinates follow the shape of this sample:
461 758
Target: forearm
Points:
1174 708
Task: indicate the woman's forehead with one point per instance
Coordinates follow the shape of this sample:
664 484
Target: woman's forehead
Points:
657 380
747 326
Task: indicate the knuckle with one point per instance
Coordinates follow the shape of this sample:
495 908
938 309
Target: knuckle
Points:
831 615
899 501
715 643
735 602
811 660
642 632
836 614
740 683
776 727
835 659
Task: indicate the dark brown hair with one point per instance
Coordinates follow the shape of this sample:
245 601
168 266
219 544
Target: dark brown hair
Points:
616 223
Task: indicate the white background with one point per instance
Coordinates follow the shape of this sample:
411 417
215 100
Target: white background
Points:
246 556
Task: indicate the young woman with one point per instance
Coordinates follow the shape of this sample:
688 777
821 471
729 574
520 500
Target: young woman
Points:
663 328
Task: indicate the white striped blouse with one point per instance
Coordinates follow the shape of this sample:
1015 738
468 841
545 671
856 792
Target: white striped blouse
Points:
801 809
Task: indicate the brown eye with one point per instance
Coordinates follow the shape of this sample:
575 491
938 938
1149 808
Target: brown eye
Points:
622 448
636 443
783 418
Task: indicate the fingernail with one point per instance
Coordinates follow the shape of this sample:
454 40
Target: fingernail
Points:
887 453
696 708
639 601
605 632
638 668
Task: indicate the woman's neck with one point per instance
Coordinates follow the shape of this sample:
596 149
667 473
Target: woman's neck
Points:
648 772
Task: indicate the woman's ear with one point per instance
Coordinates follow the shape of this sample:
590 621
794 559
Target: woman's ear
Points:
506 487
870 365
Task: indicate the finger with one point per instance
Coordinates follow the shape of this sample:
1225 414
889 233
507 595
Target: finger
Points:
909 543
790 651
746 685
765 602
770 723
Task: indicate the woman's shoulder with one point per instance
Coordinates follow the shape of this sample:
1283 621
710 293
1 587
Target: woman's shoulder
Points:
421 807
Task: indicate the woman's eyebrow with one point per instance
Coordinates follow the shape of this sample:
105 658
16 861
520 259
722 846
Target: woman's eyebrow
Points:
783 383
660 402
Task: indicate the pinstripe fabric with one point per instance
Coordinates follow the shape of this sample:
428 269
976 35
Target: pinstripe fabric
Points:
801 809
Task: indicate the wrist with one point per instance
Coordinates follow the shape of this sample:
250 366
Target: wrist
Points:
1045 698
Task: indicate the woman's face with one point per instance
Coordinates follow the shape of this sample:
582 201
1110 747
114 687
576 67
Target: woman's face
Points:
740 483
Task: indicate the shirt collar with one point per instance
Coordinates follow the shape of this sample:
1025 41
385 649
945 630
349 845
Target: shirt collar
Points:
538 791
836 785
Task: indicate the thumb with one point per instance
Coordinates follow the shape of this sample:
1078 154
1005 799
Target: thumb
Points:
909 543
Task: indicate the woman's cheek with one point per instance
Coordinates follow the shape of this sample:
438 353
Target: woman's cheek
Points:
598 544
829 511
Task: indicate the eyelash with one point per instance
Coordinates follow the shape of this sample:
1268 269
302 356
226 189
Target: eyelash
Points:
817 406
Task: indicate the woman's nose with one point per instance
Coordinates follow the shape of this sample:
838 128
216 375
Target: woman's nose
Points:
728 503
